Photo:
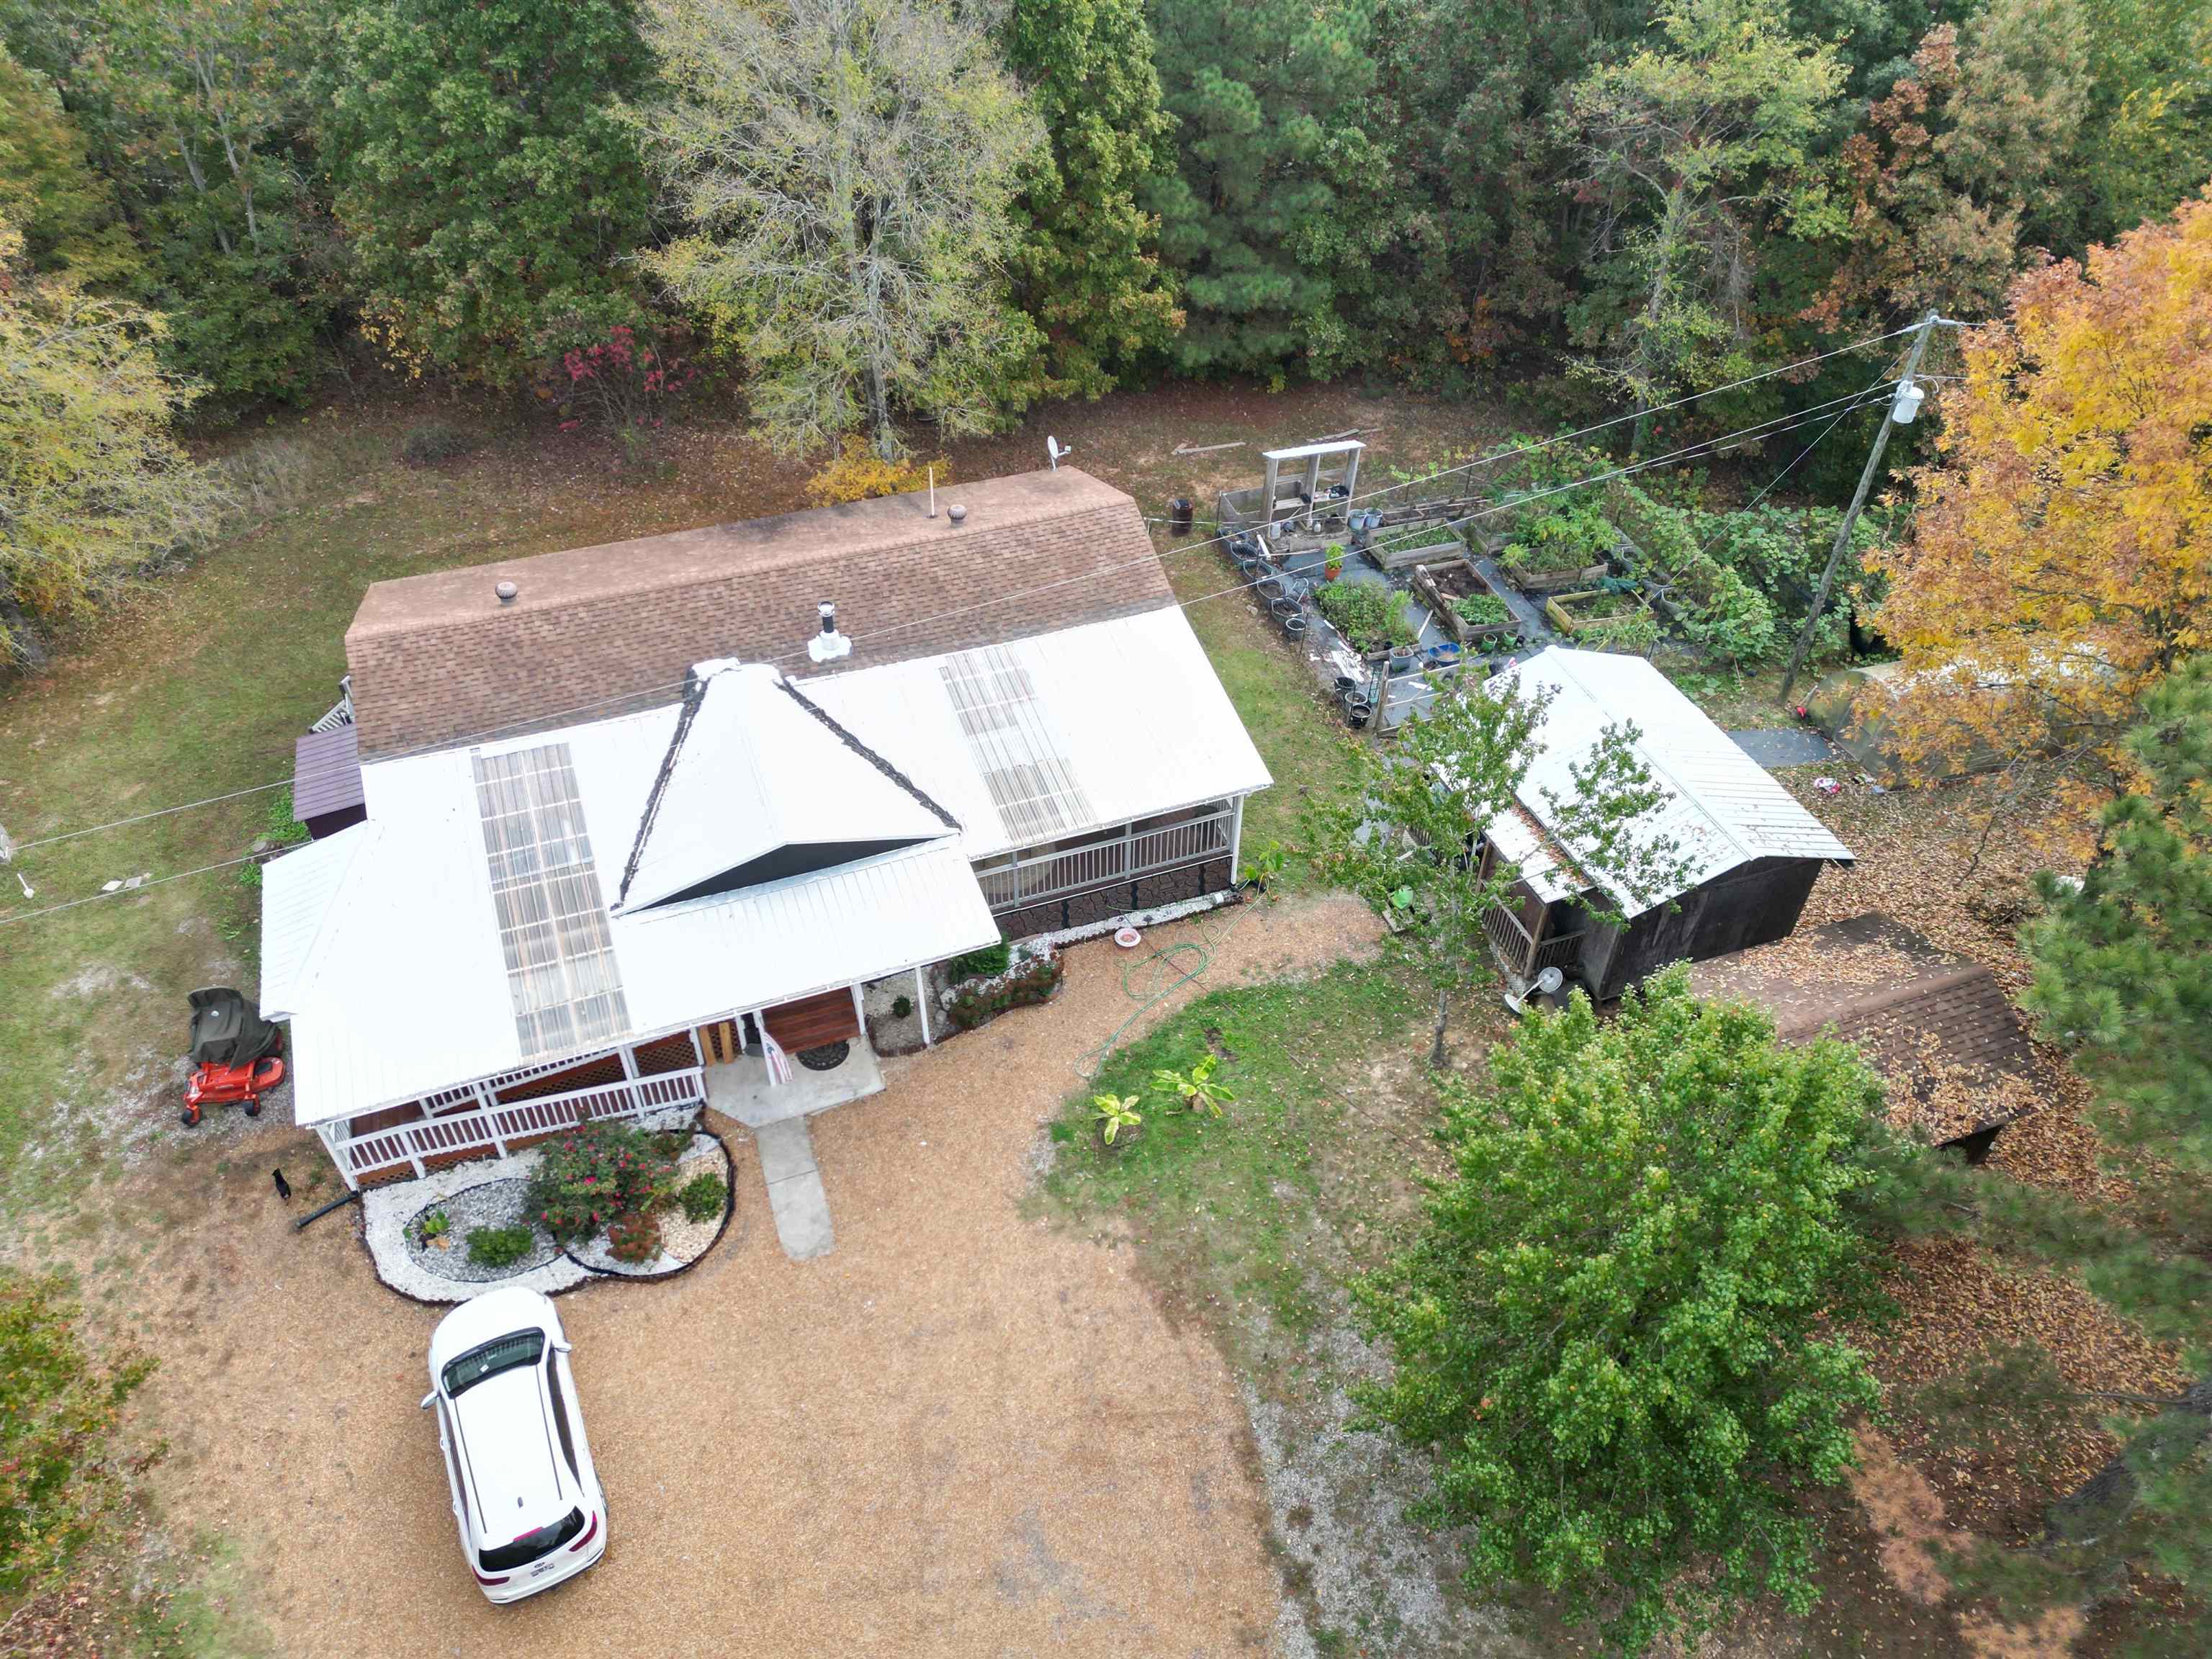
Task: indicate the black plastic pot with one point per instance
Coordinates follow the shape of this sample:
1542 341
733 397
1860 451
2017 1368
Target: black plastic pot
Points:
1284 608
1358 711
1294 627
1179 516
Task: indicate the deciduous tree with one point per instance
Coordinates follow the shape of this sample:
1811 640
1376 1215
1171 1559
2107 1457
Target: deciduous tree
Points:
1689 148
93 483
2061 563
848 169
1616 1330
487 192
1401 829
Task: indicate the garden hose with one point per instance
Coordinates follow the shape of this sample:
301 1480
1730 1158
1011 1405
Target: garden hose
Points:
1159 973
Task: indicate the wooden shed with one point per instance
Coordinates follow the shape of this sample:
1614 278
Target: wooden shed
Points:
1751 852
1936 1025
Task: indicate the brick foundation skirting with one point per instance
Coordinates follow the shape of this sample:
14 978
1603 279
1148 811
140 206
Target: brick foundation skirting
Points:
1104 904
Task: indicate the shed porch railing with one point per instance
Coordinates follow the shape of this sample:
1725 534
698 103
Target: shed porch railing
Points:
1121 855
1518 952
492 1127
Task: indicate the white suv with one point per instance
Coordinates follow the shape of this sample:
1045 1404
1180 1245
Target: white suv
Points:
526 1496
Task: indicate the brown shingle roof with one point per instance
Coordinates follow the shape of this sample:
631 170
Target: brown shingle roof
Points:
1937 1026
437 659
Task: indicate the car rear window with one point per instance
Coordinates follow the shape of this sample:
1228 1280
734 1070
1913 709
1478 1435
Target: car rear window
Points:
501 1354
506 1558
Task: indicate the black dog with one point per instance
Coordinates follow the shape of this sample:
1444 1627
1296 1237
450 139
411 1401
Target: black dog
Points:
283 1187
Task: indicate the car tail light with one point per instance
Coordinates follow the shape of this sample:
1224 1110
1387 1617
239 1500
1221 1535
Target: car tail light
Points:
481 1579
590 1533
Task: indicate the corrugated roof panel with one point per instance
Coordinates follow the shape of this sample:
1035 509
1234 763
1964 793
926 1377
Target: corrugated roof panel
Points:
298 892
1133 712
1723 808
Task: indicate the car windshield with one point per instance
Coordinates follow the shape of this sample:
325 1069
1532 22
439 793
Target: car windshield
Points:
501 1354
505 1558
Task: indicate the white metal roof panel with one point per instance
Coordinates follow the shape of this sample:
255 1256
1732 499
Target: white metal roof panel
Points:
403 987
1130 708
1723 808
756 771
297 892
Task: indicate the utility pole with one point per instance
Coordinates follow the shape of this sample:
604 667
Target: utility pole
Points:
1893 415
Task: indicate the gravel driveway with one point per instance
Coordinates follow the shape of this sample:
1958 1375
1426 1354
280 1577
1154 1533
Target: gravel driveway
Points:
961 1433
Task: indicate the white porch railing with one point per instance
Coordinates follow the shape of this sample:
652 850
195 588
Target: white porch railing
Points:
1122 855
491 1127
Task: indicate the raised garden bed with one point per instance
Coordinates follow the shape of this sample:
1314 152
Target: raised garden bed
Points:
1604 619
1467 605
1412 544
1559 551
1370 615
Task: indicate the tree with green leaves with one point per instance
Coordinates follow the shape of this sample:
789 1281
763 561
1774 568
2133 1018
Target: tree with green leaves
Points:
848 169
2123 961
67 214
94 485
1617 1328
1692 149
63 1468
1089 269
1263 214
1401 830
487 192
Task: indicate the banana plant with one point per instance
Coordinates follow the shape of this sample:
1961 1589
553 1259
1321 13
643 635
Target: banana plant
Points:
1197 1087
1113 1114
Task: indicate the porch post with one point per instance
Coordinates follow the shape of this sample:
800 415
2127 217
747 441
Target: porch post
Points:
921 1002
488 1103
1236 840
327 1132
628 1053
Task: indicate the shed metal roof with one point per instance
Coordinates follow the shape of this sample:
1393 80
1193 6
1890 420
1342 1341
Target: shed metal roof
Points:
325 772
1722 809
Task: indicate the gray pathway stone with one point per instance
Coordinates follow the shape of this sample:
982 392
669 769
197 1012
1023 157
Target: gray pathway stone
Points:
795 1195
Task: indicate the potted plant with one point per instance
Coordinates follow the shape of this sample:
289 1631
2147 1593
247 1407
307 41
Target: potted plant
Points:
1333 562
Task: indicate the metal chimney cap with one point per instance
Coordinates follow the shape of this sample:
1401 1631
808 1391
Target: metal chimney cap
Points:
958 513
507 591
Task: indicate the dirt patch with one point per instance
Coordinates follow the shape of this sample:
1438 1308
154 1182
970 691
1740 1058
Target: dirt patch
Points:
962 1432
1907 1515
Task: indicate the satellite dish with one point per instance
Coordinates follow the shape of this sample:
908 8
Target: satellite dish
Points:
1054 449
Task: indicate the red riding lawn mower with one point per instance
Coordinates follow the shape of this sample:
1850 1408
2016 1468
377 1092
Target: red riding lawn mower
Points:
235 1053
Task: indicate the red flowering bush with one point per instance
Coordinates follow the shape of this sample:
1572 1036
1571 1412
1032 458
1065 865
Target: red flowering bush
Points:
621 387
634 1238
587 1177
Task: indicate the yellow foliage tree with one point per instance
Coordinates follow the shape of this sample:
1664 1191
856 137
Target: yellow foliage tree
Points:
2061 563
93 486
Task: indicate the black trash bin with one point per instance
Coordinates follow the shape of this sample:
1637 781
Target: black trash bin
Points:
1179 516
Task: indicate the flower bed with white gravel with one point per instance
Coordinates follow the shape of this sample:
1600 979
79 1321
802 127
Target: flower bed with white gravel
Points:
493 1192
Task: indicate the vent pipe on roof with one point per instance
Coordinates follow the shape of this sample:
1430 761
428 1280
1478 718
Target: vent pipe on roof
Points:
507 591
829 645
958 513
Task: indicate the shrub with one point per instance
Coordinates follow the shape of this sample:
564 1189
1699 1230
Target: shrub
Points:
434 1225
1566 539
634 1238
65 1455
901 1006
982 964
1368 614
702 1198
620 386
500 1247
859 474
1033 984
434 441
586 1177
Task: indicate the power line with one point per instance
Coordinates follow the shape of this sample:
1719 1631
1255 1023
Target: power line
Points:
1781 424
1501 452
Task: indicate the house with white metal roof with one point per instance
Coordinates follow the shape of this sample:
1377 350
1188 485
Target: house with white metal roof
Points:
679 897
1748 852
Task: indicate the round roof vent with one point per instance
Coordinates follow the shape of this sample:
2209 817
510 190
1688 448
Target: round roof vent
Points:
507 591
956 513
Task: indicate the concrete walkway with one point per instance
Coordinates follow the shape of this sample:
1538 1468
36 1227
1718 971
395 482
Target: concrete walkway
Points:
795 1197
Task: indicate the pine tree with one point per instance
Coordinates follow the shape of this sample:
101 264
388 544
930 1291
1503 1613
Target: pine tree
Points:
1261 215
1089 270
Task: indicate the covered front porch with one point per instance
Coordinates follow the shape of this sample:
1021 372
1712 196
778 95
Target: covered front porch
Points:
826 1059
